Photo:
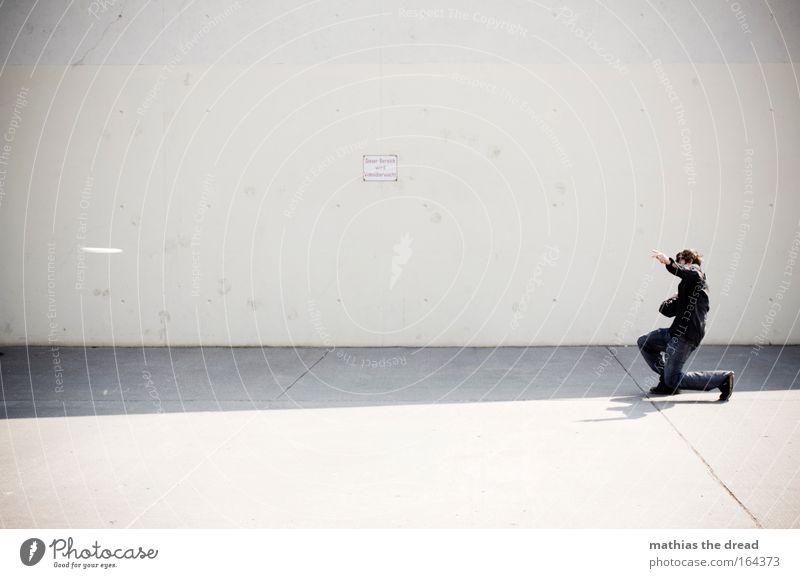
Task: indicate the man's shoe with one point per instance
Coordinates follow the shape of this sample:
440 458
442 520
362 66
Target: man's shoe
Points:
662 389
726 387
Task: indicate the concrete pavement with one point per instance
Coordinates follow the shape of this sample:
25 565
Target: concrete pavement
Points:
560 437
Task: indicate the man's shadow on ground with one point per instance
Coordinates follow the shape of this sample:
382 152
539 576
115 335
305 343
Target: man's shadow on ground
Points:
639 406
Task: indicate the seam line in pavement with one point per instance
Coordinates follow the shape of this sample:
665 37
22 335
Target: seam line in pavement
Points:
212 452
312 366
688 443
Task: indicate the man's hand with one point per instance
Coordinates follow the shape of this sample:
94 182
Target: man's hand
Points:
662 258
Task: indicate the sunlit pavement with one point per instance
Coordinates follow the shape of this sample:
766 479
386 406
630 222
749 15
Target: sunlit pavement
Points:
396 437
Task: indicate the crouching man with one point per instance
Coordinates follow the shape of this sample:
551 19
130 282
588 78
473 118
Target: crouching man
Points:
666 350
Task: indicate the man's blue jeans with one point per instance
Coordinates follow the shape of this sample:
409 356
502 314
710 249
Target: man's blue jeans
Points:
667 354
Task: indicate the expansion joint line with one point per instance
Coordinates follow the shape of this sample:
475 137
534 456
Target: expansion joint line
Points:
691 447
302 375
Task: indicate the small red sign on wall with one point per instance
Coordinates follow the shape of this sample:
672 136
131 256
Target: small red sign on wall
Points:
380 167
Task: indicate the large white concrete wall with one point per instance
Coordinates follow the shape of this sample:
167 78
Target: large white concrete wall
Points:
544 149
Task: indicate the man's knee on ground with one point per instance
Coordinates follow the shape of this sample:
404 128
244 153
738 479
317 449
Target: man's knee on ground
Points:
641 341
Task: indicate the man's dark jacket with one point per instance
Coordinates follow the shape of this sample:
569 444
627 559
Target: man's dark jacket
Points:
690 305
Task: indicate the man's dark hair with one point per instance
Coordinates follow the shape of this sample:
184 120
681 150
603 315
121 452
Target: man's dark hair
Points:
692 254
